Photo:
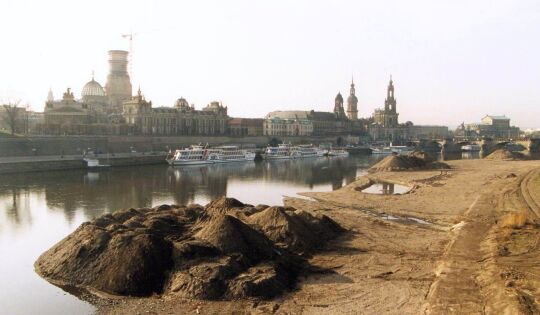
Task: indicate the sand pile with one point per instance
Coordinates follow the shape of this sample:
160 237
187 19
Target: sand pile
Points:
505 155
413 161
198 252
296 230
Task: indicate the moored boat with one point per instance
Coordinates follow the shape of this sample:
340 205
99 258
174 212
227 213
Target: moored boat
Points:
94 163
288 151
199 155
226 154
309 151
194 155
282 151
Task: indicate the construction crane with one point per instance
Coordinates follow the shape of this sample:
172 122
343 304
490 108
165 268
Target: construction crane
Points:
129 37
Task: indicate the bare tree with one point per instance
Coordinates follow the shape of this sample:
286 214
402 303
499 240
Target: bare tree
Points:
9 113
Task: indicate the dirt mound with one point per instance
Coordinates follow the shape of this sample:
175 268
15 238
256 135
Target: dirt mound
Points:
188 251
403 163
226 205
230 236
298 231
505 155
122 261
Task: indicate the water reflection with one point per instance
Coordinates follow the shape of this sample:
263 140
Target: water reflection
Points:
386 189
39 209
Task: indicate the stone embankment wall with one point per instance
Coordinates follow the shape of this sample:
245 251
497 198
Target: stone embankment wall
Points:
75 145
74 162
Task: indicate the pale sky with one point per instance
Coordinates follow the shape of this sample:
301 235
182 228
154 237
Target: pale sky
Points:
451 61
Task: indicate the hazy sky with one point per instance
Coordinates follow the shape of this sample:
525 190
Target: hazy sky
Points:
451 61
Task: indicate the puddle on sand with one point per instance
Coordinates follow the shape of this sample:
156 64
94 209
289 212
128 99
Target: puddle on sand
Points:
386 189
404 219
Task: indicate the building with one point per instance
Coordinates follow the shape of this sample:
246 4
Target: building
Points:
352 103
288 123
419 132
318 123
97 108
251 127
94 96
118 87
68 111
496 127
182 119
385 124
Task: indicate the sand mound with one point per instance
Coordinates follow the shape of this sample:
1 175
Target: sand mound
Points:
224 205
230 236
188 251
505 155
414 161
124 262
298 231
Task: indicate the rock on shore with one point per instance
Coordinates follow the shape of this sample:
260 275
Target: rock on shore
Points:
225 250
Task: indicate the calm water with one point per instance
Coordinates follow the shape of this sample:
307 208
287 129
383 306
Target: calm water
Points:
39 209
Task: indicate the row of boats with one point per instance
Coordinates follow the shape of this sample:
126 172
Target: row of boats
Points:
197 154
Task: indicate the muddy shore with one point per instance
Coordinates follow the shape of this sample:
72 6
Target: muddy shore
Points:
461 241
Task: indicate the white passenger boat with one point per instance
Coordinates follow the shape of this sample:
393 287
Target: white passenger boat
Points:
288 151
226 154
470 148
282 151
309 151
337 152
194 155
94 163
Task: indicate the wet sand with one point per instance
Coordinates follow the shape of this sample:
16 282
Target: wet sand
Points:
464 261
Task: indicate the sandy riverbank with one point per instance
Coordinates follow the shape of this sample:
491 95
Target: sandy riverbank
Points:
470 259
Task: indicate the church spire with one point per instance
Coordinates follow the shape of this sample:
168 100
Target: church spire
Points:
50 96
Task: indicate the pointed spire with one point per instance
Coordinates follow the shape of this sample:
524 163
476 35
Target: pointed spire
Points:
50 96
92 75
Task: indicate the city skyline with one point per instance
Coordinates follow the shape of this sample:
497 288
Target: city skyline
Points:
445 71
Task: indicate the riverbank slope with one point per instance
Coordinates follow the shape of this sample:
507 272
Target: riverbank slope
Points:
470 256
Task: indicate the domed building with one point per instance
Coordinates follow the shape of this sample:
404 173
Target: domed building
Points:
94 96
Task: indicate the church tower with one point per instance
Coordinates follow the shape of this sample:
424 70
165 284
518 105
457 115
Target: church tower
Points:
338 107
352 103
391 115
390 101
